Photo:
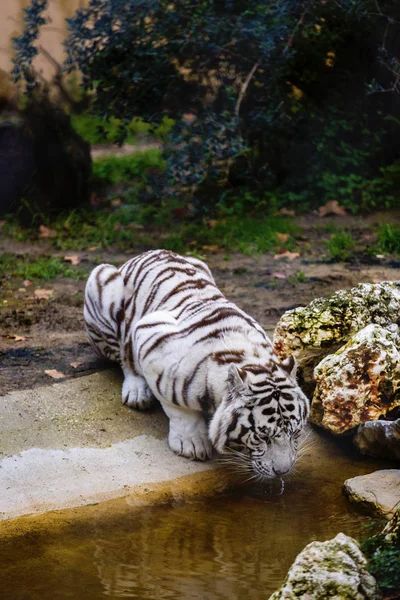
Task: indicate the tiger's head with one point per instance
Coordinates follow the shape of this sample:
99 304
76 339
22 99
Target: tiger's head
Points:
262 415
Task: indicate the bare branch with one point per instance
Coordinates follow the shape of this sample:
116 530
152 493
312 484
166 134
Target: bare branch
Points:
244 88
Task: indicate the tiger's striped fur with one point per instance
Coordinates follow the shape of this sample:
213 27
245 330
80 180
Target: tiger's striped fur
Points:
179 340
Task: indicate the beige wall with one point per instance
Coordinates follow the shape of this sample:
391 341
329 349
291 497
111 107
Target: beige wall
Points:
53 33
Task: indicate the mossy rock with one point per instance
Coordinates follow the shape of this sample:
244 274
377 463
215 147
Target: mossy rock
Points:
333 569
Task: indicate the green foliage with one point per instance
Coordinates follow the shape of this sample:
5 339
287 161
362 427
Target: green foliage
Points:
389 239
28 267
259 96
383 561
96 130
340 246
112 169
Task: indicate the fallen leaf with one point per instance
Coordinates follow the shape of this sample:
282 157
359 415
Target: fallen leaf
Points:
26 283
212 223
285 212
73 259
46 232
189 118
21 290
16 338
282 237
332 207
116 202
212 248
54 374
279 275
75 365
379 256
288 255
92 248
42 294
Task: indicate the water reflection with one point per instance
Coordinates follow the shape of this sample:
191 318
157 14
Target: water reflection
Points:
225 548
238 546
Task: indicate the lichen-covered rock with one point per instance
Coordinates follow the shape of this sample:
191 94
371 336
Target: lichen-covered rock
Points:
360 382
332 569
379 438
316 330
377 493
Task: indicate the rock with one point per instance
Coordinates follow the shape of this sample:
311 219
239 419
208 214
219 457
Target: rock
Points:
360 382
376 493
332 569
43 159
379 438
17 162
313 331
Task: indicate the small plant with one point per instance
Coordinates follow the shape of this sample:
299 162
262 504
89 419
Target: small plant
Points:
340 246
389 239
383 557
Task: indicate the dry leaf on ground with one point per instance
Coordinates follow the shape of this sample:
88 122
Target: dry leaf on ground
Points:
26 283
46 232
55 374
92 248
332 207
279 275
285 212
73 259
75 365
287 254
16 338
116 202
212 223
42 294
282 237
211 248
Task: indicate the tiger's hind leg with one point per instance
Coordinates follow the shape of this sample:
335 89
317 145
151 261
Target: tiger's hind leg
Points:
104 310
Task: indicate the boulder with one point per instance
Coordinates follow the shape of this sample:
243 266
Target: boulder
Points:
318 329
332 569
43 161
360 382
377 493
379 438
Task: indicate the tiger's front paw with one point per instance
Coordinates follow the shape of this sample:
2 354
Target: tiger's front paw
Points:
195 447
136 393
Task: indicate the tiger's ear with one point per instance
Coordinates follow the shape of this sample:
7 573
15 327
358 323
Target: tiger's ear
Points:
236 378
290 365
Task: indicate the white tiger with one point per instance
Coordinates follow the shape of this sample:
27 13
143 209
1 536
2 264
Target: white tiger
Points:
179 340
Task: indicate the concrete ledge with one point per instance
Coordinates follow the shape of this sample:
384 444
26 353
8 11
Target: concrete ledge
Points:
72 444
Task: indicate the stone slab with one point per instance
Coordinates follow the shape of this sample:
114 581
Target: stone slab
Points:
74 443
378 492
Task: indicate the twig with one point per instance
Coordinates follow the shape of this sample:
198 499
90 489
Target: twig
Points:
244 88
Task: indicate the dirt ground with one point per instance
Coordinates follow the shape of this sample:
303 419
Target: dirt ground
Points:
46 334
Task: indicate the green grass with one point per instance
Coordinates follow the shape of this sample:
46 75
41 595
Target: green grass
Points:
389 239
247 235
42 268
113 170
340 246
